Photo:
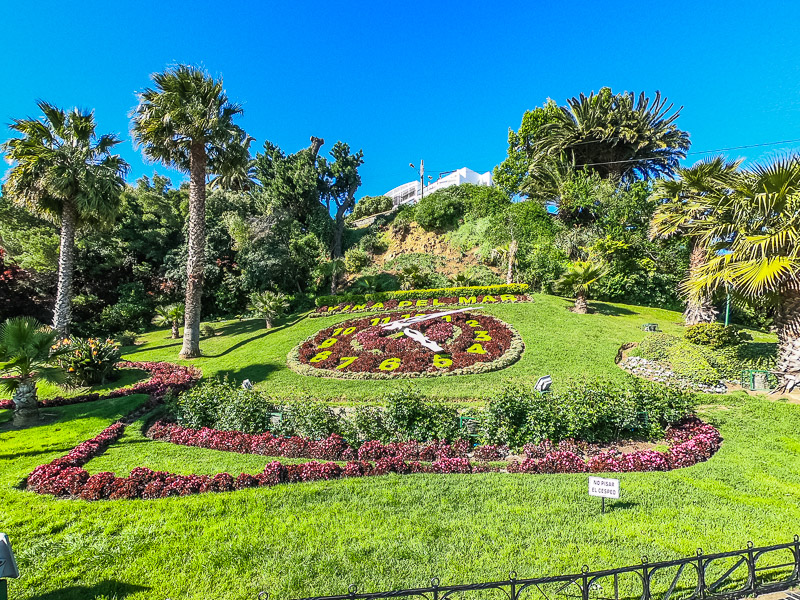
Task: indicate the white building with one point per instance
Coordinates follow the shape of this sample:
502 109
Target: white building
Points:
409 193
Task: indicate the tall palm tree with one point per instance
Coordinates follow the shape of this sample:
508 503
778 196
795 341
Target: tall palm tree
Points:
580 275
186 121
65 172
681 210
753 240
25 358
616 135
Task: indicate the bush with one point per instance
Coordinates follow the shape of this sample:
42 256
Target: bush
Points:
410 417
88 361
355 260
307 418
439 212
371 205
207 330
656 346
715 335
127 338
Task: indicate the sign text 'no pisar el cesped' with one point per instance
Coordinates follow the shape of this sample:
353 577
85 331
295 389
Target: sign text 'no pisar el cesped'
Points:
603 488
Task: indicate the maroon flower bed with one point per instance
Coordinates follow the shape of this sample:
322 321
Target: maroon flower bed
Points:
362 348
164 376
691 442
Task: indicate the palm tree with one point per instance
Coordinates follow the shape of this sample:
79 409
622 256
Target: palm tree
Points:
753 240
26 352
508 252
681 210
268 305
579 276
186 122
171 315
461 280
65 172
615 135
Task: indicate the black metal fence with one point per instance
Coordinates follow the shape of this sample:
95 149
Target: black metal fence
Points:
722 576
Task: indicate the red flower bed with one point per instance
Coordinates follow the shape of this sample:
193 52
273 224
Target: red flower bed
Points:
362 346
164 376
692 441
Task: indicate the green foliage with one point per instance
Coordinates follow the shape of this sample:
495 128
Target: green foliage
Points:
365 423
132 312
355 260
88 361
127 338
716 335
411 417
371 205
27 353
657 346
691 363
268 305
596 411
580 275
442 210
207 330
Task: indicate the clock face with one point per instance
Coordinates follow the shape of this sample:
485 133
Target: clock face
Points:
464 343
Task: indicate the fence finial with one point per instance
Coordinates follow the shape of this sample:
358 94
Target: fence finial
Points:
512 575
353 589
585 569
263 595
434 582
645 559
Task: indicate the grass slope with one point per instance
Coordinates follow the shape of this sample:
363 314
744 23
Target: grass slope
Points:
381 532
558 342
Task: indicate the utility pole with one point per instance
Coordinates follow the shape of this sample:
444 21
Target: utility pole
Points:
421 177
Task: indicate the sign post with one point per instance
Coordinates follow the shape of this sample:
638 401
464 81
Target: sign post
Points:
8 565
603 488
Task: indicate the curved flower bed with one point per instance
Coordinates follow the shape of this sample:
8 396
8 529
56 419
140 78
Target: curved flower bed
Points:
444 301
691 442
362 349
164 376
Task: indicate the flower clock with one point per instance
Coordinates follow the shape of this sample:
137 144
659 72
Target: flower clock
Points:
406 345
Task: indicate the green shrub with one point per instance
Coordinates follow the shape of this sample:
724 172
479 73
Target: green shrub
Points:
410 417
88 361
127 338
439 212
715 335
689 363
657 346
371 205
519 415
355 259
365 423
207 330
307 418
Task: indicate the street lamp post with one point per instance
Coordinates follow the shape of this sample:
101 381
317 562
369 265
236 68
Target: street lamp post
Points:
421 177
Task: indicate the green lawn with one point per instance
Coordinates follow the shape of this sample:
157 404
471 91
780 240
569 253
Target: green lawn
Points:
381 532
558 342
392 531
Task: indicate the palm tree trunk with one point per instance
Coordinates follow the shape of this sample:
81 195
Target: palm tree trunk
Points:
176 330
512 253
26 408
787 322
698 310
66 261
581 306
197 247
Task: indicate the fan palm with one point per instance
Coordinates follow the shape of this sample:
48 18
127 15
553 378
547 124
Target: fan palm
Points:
26 352
63 171
186 122
578 277
616 135
268 305
171 315
753 240
508 252
681 210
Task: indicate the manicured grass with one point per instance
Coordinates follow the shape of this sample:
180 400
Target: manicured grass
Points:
381 532
558 342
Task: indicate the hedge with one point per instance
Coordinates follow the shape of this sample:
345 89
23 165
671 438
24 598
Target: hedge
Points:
513 288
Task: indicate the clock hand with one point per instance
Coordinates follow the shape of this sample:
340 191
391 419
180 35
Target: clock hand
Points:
422 339
401 323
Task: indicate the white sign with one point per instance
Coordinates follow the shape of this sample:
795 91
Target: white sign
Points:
603 488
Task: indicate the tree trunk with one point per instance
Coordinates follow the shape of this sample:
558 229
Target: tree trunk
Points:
268 323
698 310
316 144
581 306
26 408
176 330
66 261
787 322
338 229
197 247
512 254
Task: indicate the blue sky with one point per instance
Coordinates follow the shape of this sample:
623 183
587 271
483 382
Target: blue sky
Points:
404 80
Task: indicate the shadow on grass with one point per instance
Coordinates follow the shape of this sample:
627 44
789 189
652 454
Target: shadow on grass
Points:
254 373
14 455
108 588
145 348
266 332
601 308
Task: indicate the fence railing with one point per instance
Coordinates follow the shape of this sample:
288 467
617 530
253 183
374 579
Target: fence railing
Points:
722 576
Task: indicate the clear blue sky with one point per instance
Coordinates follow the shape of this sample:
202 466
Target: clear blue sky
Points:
406 80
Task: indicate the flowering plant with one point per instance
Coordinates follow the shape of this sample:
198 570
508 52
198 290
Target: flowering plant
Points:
88 362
